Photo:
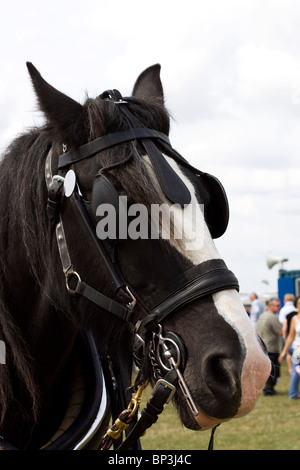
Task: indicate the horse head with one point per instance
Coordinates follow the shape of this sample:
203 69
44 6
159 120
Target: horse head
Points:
133 250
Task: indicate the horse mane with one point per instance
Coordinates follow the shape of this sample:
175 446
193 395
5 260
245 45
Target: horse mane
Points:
22 205
26 233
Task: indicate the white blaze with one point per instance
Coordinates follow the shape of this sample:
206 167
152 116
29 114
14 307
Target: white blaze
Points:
256 367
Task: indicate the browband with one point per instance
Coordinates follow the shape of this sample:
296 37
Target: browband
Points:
171 184
107 141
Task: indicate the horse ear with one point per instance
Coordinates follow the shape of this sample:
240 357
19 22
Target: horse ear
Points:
148 85
64 115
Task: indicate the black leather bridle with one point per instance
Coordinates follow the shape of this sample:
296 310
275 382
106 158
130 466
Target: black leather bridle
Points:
206 278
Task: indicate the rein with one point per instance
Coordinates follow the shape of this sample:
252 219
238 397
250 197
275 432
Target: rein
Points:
164 353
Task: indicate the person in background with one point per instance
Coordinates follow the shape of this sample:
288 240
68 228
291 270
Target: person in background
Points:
257 308
294 338
247 306
269 329
288 308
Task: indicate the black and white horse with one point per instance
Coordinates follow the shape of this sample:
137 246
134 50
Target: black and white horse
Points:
68 297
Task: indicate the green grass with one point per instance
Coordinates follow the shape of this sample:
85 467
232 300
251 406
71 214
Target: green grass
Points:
274 424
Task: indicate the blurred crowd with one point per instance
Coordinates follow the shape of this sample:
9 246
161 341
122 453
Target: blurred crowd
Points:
278 326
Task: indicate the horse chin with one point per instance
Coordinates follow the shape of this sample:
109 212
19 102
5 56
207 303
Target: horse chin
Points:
205 422
185 415
201 422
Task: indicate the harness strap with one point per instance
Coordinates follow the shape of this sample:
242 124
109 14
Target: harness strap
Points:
107 141
108 304
211 441
171 184
62 247
162 393
206 278
81 288
115 280
122 311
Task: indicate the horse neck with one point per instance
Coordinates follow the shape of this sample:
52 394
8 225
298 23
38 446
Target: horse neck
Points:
52 339
53 344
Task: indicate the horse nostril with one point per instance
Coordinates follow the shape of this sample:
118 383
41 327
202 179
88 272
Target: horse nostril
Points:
223 384
222 376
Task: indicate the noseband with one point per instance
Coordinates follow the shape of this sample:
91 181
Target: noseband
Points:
165 351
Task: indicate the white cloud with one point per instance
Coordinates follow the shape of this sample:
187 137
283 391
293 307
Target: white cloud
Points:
264 71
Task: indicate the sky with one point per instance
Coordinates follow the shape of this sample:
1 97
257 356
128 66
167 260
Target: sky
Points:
231 77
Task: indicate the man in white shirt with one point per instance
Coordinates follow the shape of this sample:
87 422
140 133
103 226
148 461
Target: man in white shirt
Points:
288 307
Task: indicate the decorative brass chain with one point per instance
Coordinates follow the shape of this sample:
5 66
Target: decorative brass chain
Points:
124 419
